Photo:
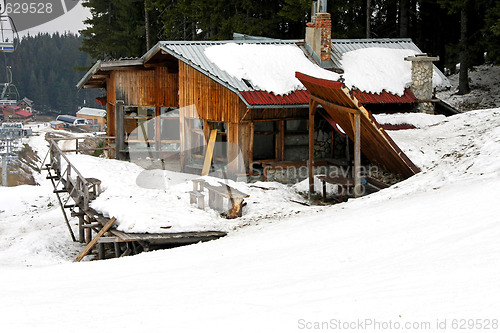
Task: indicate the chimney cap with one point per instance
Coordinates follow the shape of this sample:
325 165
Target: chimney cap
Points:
421 57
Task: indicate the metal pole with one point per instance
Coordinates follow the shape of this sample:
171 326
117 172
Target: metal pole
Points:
4 171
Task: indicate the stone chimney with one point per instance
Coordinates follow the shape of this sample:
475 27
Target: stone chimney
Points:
421 81
319 33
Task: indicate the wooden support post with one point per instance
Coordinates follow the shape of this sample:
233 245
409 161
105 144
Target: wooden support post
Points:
357 156
120 131
94 241
100 251
88 233
312 110
81 232
117 250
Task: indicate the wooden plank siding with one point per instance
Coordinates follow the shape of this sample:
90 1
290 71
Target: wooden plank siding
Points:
212 101
153 87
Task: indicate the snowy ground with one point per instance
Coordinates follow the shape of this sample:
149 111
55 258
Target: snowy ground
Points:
424 252
485 89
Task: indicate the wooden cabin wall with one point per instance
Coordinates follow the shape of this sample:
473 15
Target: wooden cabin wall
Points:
147 87
156 86
212 100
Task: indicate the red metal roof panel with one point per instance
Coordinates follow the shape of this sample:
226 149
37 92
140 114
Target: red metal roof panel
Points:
300 97
24 113
384 97
259 97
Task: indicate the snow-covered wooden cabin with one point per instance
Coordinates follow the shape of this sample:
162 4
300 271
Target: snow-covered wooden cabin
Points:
173 96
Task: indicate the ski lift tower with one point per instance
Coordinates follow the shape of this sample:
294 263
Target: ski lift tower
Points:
9 38
10 138
8 32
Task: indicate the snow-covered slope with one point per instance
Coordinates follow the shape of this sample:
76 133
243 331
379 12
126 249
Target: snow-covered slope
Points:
424 252
485 89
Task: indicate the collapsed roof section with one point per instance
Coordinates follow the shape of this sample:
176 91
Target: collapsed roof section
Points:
341 104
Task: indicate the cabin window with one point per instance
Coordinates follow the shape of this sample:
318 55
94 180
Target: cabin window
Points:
139 124
264 141
195 140
169 128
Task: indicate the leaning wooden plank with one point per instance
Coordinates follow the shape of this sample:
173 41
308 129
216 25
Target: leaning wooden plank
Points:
94 241
209 153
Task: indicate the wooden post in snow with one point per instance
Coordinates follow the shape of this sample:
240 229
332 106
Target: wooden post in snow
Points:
90 245
357 155
310 165
120 131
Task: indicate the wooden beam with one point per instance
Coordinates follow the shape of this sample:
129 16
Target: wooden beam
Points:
357 155
209 154
120 131
94 241
326 104
313 105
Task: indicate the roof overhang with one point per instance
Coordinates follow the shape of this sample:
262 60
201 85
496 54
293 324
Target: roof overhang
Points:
96 77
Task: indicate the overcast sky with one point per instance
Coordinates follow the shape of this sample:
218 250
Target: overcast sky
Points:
72 21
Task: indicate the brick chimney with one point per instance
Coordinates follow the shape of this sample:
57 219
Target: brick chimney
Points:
421 81
319 33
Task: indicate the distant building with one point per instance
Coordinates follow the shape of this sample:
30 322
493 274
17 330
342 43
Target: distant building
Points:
71 120
26 104
15 113
57 125
96 118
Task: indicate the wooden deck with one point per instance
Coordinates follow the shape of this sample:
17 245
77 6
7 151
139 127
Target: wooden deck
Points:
75 192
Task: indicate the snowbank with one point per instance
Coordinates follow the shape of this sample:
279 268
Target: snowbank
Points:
157 201
417 120
422 252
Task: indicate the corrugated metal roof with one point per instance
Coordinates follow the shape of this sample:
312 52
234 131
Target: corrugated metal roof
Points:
24 113
301 97
384 97
92 112
341 46
259 97
193 53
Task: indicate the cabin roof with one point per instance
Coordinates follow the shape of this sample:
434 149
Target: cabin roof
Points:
91 112
24 113
193 53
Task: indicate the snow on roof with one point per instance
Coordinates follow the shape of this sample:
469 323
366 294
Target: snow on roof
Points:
376 69
267 67
272 67
92 112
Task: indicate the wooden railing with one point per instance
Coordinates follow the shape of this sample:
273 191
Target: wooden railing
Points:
81 189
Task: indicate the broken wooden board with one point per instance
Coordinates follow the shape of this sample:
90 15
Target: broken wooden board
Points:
94 241
209 154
